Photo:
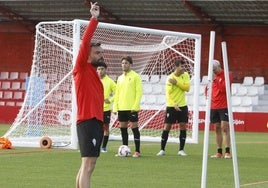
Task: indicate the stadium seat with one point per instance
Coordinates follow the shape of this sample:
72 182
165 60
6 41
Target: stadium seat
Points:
7 95
143 99
202 89
17 95
259 83
235 88
190 100
154 78
10 103
150 99
4 75
145 78
5 85
248 81
157 89
236 101
13 75
147 88
247 104
163 79
254 94
204 80
242 91
259 80
15 85
23 75
161 99
202 102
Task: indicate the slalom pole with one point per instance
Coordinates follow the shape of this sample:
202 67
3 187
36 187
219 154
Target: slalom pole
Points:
231 122
208 103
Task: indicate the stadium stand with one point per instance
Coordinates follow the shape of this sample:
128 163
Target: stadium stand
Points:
249 96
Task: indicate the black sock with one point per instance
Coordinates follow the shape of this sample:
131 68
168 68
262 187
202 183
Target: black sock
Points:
227 150
124 135
182 139
164 139
136 134
220 150
105 141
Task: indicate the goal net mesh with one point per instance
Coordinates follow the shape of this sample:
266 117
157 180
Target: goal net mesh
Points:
49 108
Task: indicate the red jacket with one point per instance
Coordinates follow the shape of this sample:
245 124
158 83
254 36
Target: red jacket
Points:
218 97
88 86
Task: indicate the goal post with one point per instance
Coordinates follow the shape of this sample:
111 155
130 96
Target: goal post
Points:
49 108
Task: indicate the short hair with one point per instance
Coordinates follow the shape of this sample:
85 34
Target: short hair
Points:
179 62
216 63
95 44
127 58
101 64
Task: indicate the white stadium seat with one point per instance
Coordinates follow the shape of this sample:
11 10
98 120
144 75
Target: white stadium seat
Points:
154 78
259 80
248 81
147 88
204 80
13 75
235 88
259 83
4 75
242 91
145 78
157 89
161 99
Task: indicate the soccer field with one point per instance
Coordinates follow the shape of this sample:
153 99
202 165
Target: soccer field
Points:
57 168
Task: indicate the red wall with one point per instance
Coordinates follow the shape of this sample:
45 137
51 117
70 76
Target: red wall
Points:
16 49
243 122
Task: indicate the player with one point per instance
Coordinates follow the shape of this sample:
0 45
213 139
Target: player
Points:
127 99
109 90
177 84
219 111
89 92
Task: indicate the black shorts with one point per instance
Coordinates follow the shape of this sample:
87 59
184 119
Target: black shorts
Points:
172 116
125 116
107 117
90 134
218 115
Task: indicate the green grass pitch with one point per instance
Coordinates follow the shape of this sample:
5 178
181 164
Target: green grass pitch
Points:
57 168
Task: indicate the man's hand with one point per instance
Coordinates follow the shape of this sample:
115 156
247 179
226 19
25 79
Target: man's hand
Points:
172 81
107 101
95 10
177 108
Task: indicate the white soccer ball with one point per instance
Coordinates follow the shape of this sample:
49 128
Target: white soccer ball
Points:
123 151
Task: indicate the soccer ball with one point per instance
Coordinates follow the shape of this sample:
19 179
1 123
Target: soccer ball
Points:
123 151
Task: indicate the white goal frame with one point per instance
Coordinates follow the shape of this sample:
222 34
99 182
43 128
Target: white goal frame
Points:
33 141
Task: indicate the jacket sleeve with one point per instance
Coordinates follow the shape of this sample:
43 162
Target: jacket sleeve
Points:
185 85
138 81
116 97
85 44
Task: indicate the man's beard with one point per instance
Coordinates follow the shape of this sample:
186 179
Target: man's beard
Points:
97 63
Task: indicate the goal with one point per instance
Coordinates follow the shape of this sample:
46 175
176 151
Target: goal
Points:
49 108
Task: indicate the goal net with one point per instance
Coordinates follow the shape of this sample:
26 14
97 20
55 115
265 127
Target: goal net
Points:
49 108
